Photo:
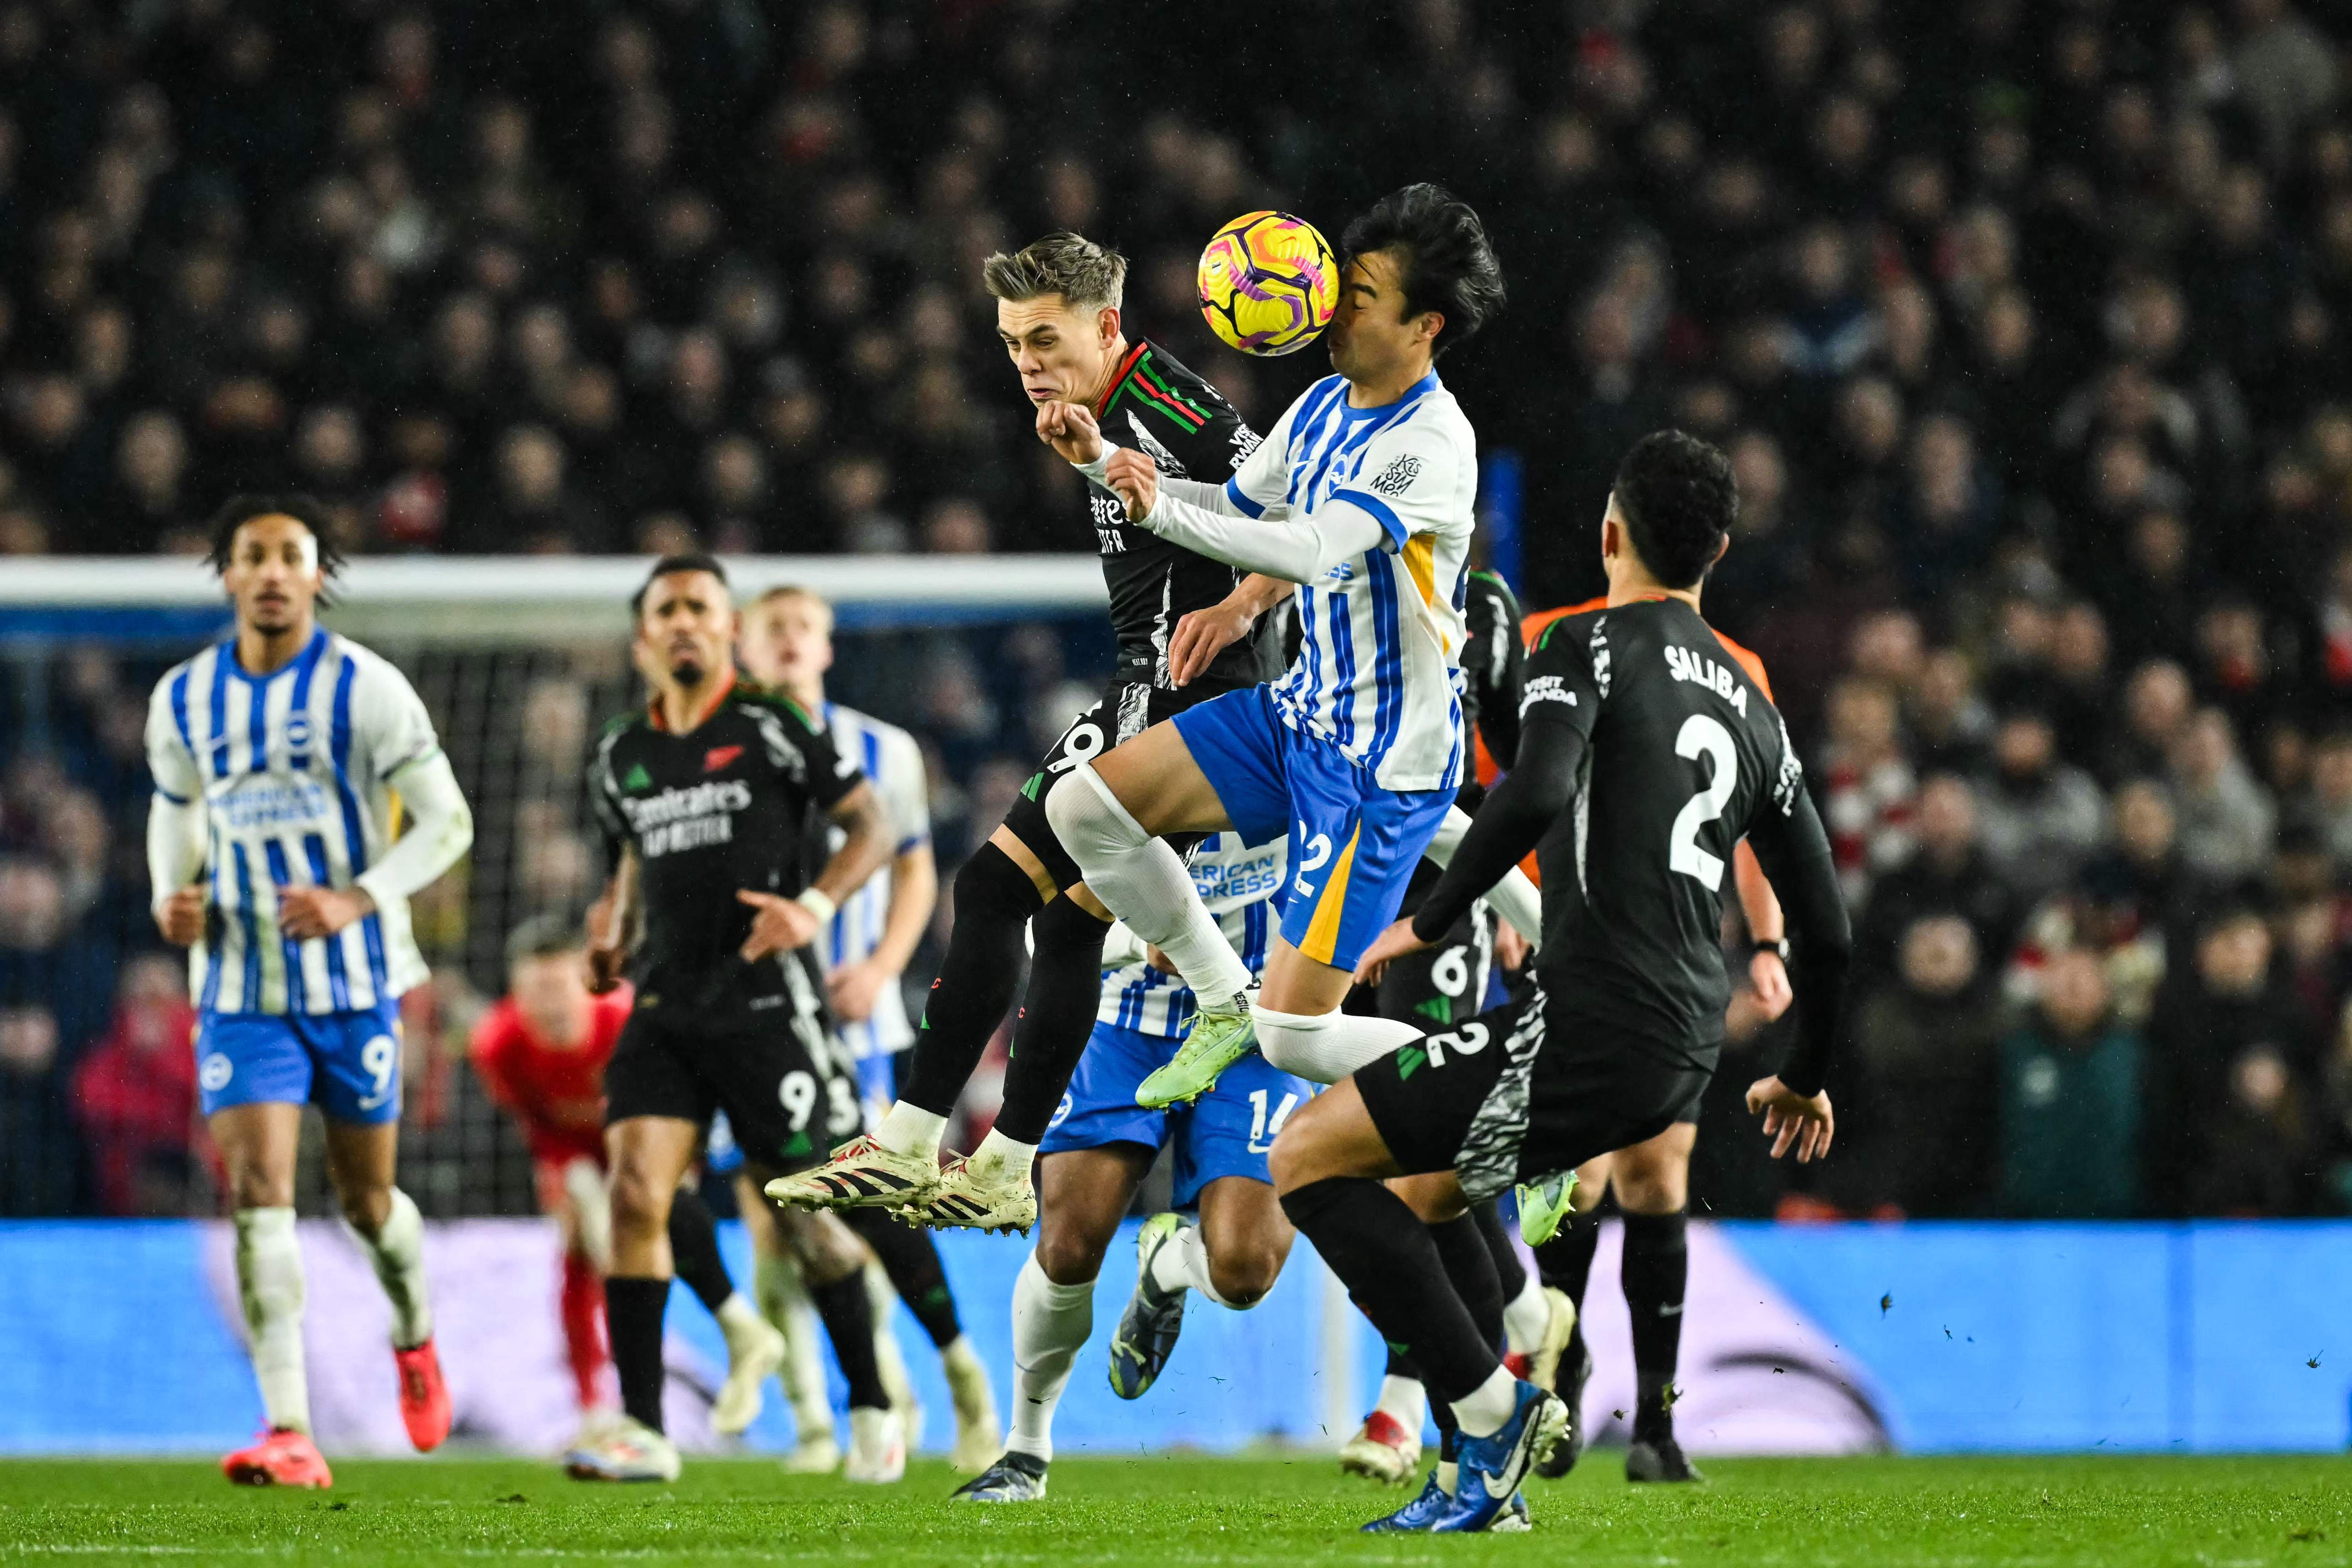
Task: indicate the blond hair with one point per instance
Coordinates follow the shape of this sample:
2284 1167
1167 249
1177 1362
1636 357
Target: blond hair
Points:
1086 275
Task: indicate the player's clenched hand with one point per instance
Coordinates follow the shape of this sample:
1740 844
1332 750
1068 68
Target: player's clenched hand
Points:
1391 944
1070 429
307 913
1511 948
181 916
1768 978
854 988
1132 475
780 926
1202 634
1802 1120
605 961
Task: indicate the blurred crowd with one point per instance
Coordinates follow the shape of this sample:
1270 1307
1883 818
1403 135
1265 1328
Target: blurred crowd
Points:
2028 327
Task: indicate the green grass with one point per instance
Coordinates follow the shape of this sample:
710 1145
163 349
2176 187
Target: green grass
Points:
1805 1513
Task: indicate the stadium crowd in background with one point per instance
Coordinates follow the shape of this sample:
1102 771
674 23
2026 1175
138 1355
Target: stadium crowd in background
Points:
2028 328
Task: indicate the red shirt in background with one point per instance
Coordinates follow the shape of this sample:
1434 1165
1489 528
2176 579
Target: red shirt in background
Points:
556 1094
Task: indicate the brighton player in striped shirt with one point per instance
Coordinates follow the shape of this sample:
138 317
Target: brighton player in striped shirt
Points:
284 759
1361 494
787 643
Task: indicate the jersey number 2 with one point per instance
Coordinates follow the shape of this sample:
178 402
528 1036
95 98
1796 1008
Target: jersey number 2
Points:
1702 736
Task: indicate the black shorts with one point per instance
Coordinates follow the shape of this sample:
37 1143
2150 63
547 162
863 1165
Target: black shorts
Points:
1445 985
785 1080
1126 710
1521 1090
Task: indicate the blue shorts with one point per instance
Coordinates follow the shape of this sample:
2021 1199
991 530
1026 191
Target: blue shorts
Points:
348 1063
1228 1131
1353 844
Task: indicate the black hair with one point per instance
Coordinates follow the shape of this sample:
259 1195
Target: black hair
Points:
1446 264
687 560
544 936
1679 500
307 510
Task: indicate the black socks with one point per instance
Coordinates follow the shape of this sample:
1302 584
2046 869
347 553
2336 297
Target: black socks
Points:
849 1315
913 1265
1058 1017
1508 1270
979 977
633 1320
1655 1271
1396 1274
693 1248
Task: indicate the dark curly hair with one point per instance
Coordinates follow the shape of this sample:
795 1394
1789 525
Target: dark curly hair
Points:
306 510
687 560
1679 501
1447 264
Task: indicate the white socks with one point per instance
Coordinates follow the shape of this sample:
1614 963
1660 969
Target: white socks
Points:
1183 1264
1145 884
1050 1325
1404 1400
1525 1315
1488 1405
269 1279
398 1252
1326 1048
888 1360
910 1130
998 1154
784 1300
739 1321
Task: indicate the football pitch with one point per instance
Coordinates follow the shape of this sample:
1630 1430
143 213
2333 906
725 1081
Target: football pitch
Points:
1287 1510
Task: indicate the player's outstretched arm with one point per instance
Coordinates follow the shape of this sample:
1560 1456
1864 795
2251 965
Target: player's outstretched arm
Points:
914 894
1521 807
1297 547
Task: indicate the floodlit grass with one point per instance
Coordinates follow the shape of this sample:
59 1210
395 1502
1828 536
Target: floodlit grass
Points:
1806 1513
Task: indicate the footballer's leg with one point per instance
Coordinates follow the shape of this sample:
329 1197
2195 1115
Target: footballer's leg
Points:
910 1262
1654 1194
1086 1192
572 1194
1234 1250
1331 1167
755 1348
257 1141
1564 1263
832 1265
648 1155
784 1301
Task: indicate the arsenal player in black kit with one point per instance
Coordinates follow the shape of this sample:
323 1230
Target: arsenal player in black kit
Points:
1645 754
1189 628
704 799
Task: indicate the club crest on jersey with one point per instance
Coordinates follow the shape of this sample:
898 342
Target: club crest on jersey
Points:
1701 670
718 757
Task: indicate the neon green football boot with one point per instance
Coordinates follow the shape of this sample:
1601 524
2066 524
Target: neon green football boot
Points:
1220 1037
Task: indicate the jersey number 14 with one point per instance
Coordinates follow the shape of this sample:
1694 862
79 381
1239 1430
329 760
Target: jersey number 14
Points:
1703 736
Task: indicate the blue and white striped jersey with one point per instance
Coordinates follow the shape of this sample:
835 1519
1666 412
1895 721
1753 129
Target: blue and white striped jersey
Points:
1381 635
1244 888
893 763
298 771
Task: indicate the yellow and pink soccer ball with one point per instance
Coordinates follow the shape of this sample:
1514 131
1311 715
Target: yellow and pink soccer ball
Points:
1268 283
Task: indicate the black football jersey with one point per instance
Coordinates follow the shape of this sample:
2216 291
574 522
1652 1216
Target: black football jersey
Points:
1684 757
1493 663
1158 407
723 808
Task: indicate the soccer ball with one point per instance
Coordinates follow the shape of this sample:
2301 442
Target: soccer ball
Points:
1268 283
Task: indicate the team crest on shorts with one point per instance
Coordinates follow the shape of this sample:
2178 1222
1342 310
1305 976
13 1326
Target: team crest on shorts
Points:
215 1072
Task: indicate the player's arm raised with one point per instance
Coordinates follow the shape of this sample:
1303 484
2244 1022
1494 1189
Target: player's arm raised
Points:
1794 853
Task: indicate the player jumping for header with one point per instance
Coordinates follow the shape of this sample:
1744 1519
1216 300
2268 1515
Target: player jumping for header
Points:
283 758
